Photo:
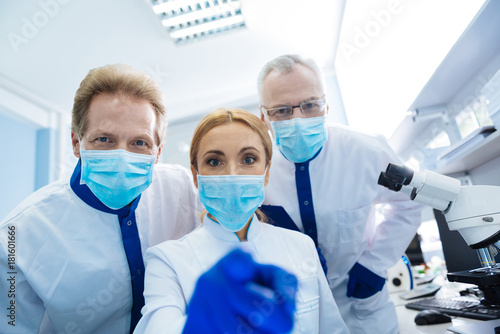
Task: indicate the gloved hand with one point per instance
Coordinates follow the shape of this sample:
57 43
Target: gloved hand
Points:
363 283
238 295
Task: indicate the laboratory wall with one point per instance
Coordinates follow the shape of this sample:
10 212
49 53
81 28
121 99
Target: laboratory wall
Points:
17 162
179 132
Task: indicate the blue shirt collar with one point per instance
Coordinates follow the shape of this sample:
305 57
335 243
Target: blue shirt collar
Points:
86 195
299 163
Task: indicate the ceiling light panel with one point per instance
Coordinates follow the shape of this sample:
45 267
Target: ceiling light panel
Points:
188 20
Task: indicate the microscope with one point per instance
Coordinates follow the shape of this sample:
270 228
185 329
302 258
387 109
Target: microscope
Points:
473 211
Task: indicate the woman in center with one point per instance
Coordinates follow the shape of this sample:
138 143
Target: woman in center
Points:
230 159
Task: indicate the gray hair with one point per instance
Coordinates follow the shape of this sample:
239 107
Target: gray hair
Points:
285 64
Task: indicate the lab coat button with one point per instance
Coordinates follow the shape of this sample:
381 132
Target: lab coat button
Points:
306 203
129 223
138 272
302 168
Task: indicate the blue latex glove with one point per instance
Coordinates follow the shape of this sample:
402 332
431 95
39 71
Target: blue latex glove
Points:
238 295
363 283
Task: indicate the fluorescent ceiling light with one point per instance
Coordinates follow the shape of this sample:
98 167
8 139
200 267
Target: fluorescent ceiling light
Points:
167 6
200 15
187 20
207 27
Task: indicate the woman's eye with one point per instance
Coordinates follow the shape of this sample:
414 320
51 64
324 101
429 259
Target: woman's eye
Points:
249 160
103 139
140 142
214 162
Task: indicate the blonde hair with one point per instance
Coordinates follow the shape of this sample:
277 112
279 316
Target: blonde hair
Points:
118 79
223 116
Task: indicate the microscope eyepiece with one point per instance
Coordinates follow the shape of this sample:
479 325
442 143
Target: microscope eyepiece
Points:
399 174
382 180
387 182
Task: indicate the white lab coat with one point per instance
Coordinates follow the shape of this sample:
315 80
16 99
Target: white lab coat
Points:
70 262
173 267
345 192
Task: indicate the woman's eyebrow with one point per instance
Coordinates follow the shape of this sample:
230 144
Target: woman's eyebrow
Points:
248 148
213 152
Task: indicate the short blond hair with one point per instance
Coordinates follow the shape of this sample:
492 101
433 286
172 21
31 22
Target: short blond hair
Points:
118 79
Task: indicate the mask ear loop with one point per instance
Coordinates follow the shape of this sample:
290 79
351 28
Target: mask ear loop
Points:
81 159
265 171
81 144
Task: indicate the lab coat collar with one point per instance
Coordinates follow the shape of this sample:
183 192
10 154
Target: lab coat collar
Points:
223 234
86 195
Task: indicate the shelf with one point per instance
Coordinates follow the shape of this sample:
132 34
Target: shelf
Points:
486 150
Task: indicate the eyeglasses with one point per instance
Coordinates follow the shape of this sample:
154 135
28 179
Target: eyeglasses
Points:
308 108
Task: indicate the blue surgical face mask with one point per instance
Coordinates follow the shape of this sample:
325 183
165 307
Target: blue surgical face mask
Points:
231 199
299 139
116 177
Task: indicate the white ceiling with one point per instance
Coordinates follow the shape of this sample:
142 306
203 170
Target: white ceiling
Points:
48 46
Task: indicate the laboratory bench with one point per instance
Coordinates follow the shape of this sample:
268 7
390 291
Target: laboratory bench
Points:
406 317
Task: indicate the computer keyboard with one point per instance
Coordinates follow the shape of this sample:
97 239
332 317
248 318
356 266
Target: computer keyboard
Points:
460 308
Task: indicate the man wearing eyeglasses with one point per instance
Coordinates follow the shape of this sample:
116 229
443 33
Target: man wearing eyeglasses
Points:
324 184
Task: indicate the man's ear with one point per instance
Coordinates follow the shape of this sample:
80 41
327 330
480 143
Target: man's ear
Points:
158 154
195 174
75 142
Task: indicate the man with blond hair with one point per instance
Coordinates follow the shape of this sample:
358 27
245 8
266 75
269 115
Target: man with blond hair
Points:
73 249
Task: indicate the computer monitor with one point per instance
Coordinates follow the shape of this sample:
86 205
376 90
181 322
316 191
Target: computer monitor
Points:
457 254
414 251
